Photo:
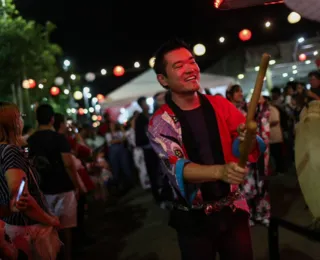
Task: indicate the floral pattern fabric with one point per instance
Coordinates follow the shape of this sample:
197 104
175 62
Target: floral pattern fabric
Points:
254 187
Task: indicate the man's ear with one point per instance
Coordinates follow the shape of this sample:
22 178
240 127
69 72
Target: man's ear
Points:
162 80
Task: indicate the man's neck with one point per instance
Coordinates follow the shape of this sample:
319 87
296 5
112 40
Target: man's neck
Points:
186 101
45 127
146 113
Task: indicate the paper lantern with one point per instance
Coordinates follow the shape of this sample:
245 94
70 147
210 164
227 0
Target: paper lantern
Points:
81 111
32 83
152 61
302 57
77 95
245 35
199 49
58 81
90 76
118 71
54 91
25 84
100 97
309 9
294 17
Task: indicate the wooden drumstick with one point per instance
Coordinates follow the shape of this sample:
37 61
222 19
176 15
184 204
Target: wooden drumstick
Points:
251 125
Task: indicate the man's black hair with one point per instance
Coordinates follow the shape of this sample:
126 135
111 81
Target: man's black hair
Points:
141 100
58 120
44 114
315 74
171 45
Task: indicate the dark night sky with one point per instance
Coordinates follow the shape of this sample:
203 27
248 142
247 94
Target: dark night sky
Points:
101 34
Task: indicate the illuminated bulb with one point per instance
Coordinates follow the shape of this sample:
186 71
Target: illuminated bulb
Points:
136 65
151 62
199 49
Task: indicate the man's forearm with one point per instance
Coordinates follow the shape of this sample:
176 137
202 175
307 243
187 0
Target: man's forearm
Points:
196 173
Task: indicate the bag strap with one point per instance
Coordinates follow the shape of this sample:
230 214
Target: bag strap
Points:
42 197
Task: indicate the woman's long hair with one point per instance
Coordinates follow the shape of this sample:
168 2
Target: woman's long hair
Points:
11 124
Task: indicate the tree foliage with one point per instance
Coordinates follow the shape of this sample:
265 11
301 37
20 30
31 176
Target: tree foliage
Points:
25 49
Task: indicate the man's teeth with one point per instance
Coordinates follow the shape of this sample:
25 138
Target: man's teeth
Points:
190 78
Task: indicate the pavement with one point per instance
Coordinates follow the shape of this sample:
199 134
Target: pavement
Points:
134 228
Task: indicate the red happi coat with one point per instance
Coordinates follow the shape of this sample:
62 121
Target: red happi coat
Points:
165 135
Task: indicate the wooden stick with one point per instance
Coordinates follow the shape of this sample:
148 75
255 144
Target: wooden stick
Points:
251 125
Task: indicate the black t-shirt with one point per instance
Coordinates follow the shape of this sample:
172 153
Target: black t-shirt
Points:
195 221
50 145
210 190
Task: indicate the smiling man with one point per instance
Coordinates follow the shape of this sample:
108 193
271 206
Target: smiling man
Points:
196 138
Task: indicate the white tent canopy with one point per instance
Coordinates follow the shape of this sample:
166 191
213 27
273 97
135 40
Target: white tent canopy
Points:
147 85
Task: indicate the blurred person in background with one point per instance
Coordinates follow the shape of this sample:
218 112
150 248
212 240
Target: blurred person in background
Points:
80 236
150 157
254 186
118 155
59 179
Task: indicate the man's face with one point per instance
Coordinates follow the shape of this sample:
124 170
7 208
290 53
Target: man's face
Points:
144 106
183 73
63 127
275 96
314 82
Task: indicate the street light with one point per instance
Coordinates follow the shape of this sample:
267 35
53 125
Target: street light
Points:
222 39
66 63
136 65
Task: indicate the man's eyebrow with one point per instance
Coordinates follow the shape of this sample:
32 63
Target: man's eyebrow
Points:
181 61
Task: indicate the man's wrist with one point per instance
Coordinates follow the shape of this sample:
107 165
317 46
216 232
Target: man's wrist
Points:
217 172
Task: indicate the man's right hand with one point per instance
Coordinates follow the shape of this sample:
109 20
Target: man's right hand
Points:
232 173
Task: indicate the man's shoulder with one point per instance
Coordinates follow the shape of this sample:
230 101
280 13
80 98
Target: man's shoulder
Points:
218 102
164 109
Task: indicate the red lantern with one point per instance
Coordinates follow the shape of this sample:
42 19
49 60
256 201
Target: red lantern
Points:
81 111
54 91
32 83
100 97
245 35
302 57
318 63
118 71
